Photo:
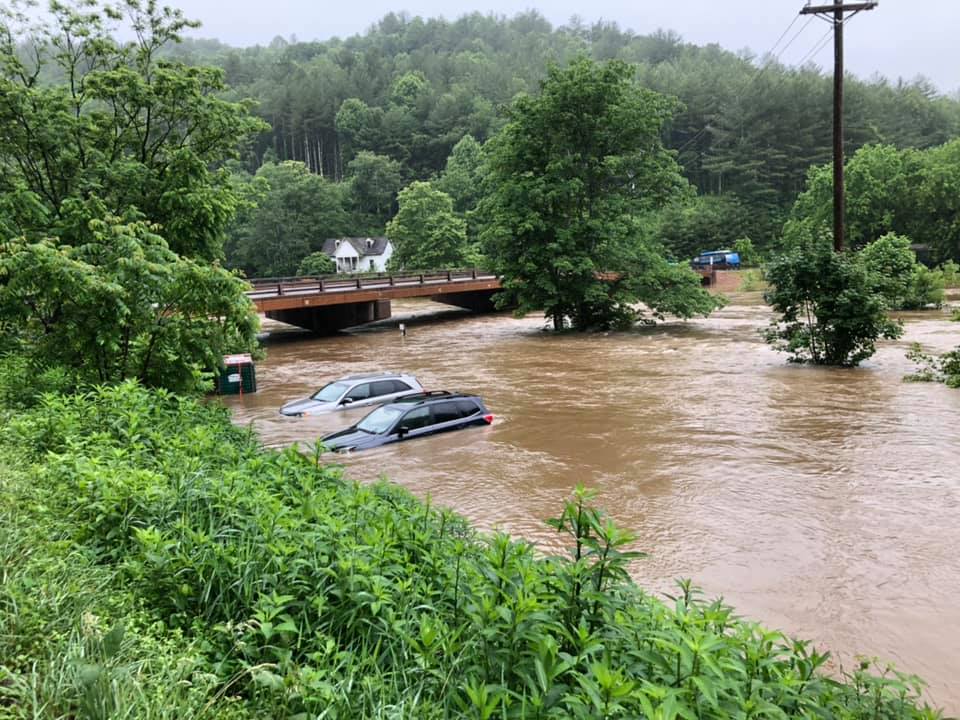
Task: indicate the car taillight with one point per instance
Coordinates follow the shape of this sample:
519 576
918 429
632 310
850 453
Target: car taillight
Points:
488 419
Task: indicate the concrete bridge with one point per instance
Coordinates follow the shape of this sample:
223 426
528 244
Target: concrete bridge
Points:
325 305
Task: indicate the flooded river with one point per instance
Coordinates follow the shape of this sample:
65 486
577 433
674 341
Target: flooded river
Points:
822 502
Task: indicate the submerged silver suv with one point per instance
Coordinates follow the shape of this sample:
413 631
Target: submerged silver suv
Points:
355 391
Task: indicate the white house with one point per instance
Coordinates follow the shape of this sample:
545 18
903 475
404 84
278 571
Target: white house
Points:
359 254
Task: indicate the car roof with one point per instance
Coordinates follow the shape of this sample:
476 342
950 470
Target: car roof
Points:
371 376
430 396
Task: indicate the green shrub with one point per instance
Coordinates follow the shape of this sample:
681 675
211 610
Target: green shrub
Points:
895 273
23 381
951 274
943 368
752 280
318 263
831 311
749 257
312 596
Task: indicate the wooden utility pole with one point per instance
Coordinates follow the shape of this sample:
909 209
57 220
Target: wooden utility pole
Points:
838 13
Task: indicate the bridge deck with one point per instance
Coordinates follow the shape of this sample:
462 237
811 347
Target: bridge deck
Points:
297 292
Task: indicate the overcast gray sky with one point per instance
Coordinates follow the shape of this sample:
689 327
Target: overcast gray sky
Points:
901 38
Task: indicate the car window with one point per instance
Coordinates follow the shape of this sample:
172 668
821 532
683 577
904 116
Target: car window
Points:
380 420
383 387
359 392
330 393
416 418
445 412
400 386
467 408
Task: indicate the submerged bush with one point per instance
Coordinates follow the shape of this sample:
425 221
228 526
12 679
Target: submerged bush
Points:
935 368
311 596
831 311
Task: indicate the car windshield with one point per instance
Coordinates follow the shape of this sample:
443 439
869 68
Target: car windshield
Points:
329 393
380 420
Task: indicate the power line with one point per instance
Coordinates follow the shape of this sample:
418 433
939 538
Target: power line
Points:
760 71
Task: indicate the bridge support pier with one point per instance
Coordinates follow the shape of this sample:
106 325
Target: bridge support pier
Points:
329 319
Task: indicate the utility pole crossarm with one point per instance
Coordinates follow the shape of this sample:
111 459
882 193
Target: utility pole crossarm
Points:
849 7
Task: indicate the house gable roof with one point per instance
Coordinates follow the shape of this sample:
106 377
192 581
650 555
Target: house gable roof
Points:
377 247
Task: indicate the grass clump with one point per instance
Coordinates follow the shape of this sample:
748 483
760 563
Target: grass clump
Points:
184 563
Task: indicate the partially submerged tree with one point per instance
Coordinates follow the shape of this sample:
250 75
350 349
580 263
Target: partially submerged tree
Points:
831 313
570 181
113 211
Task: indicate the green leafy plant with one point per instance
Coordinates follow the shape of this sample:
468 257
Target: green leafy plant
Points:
830 313
569 199
935 368
252 583
896 274
951 274
113 211
318 263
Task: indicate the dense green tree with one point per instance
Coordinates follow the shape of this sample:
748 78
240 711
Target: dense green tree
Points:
113 211
830 311
122 305
462 180
292 212
374 181
462 177
896 274
937 208
411 88
317 263
569 180
749 257
908 192
426 233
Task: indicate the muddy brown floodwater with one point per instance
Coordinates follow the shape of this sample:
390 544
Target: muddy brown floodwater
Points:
821 502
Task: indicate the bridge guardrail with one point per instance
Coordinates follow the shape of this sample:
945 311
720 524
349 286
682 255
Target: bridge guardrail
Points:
334 283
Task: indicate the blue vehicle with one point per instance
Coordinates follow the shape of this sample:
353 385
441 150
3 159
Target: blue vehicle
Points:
716 260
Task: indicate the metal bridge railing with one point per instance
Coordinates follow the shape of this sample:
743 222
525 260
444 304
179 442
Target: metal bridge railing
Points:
315 284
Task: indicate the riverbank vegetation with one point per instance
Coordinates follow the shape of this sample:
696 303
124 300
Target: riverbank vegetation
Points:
158 563
112 210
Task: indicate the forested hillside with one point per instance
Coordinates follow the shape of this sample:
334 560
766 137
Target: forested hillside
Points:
396 100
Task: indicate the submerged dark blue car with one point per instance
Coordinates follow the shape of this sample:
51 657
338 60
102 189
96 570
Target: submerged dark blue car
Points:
411 417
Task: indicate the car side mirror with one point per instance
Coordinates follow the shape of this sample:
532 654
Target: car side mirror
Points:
346 401
402 430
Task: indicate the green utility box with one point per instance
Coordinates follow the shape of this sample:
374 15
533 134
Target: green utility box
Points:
239 376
